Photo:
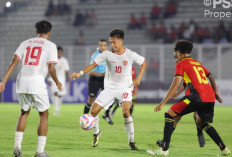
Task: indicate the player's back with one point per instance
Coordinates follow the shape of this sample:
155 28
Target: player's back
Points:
194 75
35 54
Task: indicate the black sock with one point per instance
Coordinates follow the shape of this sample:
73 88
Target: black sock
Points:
115 108
214 135
199 130
87 108
108 111
131 109
168 130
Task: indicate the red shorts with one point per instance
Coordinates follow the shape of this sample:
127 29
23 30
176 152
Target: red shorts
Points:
180 106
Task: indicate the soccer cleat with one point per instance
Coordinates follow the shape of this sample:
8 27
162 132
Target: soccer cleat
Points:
160 143
158 152
44 154
132 146
201 140
17 152
96 139
107 118
225 152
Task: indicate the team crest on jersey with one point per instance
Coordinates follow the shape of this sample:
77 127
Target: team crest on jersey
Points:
125 63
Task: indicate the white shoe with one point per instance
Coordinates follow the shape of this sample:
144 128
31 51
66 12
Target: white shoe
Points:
158 152
225 152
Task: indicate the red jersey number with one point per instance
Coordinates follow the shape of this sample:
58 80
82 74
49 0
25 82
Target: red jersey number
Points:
34 56
118 69
125 95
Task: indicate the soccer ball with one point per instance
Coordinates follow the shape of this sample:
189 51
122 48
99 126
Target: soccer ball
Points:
87 121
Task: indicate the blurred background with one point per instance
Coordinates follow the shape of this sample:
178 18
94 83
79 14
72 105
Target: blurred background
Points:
151 27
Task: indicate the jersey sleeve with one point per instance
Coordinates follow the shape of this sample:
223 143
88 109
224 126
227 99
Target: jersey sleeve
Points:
19 51
179 69
100 58
137 58
52 54
207 72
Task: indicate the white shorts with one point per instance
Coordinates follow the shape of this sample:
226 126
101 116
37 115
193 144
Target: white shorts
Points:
107 97
39 102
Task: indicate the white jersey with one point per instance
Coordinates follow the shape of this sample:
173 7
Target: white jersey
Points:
35 54
61 67
118 67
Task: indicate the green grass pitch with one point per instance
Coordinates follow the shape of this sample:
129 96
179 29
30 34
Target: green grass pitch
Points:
66 138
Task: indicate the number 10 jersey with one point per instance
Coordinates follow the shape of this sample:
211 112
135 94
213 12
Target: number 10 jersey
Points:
118 67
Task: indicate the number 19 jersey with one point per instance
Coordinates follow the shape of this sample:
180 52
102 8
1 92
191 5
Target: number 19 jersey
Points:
118 67
195 77
35 54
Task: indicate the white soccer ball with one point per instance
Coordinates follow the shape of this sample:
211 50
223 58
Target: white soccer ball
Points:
87 121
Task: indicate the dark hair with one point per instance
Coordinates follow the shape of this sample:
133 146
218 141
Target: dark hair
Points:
59 48
118 33
103 40
43 27
183 46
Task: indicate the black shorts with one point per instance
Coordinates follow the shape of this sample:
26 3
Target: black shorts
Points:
95 83
204 109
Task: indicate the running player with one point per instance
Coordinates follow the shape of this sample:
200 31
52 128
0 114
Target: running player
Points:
62 69
201 99
38 56
118 82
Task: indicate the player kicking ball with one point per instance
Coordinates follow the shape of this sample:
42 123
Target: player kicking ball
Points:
118 82
201 99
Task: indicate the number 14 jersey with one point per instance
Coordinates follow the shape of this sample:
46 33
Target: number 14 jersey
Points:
35 54
195 77
118 67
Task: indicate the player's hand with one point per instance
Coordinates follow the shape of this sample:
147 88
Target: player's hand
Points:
158 107
136 82
59 86
75 76
2 87
218 98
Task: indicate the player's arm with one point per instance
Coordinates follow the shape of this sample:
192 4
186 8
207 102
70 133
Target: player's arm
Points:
182 88
214 86
52 71
68 78
85 70
9 71
137 81
172 90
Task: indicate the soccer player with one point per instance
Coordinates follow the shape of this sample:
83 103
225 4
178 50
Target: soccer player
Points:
201 99
117 83
38 56
200 135
62 69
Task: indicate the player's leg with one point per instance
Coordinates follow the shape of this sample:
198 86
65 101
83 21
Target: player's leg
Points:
56 103
116 106
96 131
211 131
25 103
132 105
106 115
41 103
93 88
129 124
200 135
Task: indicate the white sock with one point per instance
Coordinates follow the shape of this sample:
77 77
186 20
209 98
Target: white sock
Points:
56 104
59 104
129 126
18 139
96 125
41 144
